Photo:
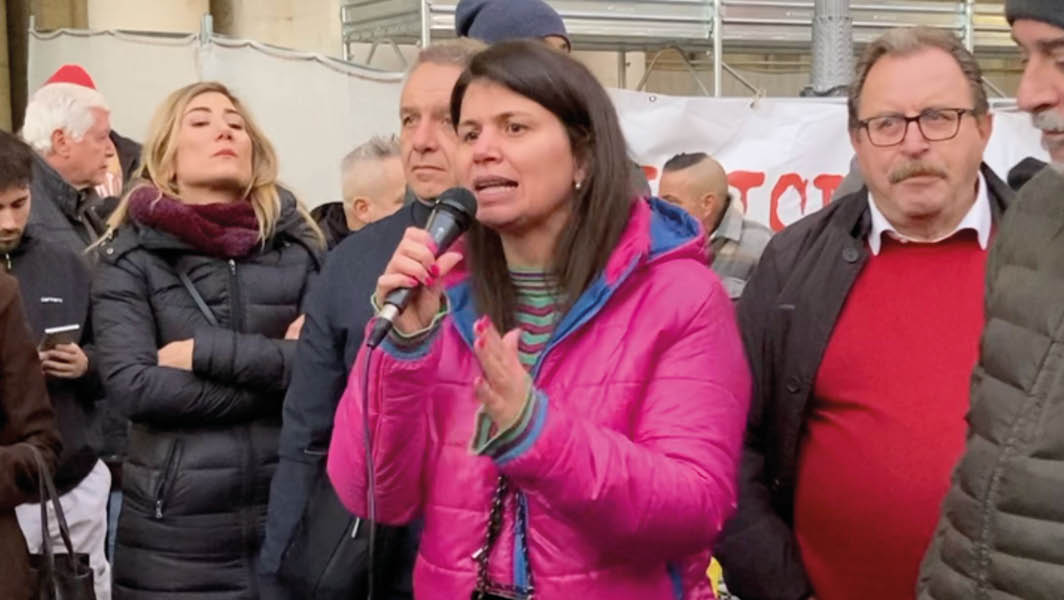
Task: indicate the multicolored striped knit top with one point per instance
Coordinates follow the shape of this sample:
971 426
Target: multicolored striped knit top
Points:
538 312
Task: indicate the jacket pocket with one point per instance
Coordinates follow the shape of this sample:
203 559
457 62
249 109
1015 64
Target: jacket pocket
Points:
173 459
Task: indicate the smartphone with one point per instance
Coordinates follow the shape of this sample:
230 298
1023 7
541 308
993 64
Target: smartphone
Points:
55 336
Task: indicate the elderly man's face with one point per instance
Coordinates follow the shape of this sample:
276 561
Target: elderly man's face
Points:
426 135
918 181
1041 90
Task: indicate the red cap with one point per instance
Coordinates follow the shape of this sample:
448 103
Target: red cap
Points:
72 74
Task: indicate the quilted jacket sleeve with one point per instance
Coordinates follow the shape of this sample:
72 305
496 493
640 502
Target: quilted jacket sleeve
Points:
128 358
758 549
672 484
249 359
398 425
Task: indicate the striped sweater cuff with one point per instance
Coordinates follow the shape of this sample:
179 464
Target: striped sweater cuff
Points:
487 441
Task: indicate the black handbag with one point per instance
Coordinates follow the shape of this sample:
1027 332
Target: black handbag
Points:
59 576
328 556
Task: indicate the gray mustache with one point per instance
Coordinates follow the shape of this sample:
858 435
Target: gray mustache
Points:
915 169
1048 120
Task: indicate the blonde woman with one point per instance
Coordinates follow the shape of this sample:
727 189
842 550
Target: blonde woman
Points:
196 300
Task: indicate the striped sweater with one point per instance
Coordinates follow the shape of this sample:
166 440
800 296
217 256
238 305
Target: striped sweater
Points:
538 311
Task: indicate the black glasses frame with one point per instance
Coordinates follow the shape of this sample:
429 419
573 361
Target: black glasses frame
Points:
960 112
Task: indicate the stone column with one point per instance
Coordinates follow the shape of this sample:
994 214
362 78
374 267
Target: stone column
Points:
181 16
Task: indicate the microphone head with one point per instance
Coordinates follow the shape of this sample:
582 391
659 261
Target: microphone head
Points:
461 202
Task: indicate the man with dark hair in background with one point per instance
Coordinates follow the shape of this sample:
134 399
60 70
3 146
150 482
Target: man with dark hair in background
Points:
55 293
699 185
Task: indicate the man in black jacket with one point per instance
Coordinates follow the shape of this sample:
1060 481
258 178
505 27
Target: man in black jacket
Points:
338 310
55 293
861 325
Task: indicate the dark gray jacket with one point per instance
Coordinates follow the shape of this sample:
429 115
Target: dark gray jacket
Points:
62 214
786 315
203 445
1001 534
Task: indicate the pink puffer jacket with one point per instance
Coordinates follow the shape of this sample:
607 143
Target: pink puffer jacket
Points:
628 468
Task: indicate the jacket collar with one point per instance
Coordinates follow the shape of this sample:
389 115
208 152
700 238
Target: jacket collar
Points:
656 231
731 224
56 189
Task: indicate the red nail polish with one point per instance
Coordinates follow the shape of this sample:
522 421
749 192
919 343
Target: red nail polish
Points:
479 344
434 271
429 281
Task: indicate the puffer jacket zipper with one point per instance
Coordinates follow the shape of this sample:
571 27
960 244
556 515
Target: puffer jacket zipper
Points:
246 515
173 456
7 261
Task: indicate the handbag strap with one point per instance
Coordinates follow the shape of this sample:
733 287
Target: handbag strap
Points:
47 493
206 310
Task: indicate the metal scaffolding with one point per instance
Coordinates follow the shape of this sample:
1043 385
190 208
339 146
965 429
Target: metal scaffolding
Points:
708 26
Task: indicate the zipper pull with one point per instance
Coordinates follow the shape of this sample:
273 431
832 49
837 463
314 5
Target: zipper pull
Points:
159 509
7 259
232 266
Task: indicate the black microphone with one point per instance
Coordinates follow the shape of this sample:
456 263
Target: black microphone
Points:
452 215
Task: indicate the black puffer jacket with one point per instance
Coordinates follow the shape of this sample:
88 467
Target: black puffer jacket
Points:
203 446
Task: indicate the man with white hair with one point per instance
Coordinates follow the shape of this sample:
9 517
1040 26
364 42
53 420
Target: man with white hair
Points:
373 187
68 125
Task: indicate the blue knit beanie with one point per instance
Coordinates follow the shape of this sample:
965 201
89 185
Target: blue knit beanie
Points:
1047 11
499 20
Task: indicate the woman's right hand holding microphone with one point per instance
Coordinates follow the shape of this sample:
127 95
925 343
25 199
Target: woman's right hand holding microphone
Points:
414 263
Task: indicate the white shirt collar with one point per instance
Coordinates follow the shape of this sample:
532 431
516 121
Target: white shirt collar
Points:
978 218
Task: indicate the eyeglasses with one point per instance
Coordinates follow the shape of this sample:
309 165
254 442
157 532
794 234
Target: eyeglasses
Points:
935 124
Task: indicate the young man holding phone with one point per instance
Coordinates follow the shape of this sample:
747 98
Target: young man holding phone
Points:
55 295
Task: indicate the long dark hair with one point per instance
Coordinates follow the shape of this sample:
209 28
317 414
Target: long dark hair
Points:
600 207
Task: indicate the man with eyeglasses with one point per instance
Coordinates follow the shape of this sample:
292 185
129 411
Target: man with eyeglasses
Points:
861 323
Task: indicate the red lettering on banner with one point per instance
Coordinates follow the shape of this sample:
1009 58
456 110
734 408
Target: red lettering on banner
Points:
651 173
745 181
789 180
827 184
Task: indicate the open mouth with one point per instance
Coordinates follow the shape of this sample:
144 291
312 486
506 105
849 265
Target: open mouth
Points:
493 183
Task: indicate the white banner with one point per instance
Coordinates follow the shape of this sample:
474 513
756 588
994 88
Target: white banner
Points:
784 156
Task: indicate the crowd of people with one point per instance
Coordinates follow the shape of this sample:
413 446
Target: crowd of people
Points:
593 394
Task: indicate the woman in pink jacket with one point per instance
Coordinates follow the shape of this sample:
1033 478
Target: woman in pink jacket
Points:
590 451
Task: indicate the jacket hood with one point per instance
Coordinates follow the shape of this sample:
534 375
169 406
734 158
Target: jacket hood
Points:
656 231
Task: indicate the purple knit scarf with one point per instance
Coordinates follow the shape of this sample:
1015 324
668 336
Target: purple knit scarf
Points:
225 230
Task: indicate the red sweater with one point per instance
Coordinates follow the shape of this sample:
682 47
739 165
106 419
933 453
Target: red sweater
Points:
887 421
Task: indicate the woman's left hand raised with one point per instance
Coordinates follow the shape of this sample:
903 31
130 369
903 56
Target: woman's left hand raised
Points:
504 386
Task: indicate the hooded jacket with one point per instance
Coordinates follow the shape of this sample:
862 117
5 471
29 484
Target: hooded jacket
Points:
628 467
